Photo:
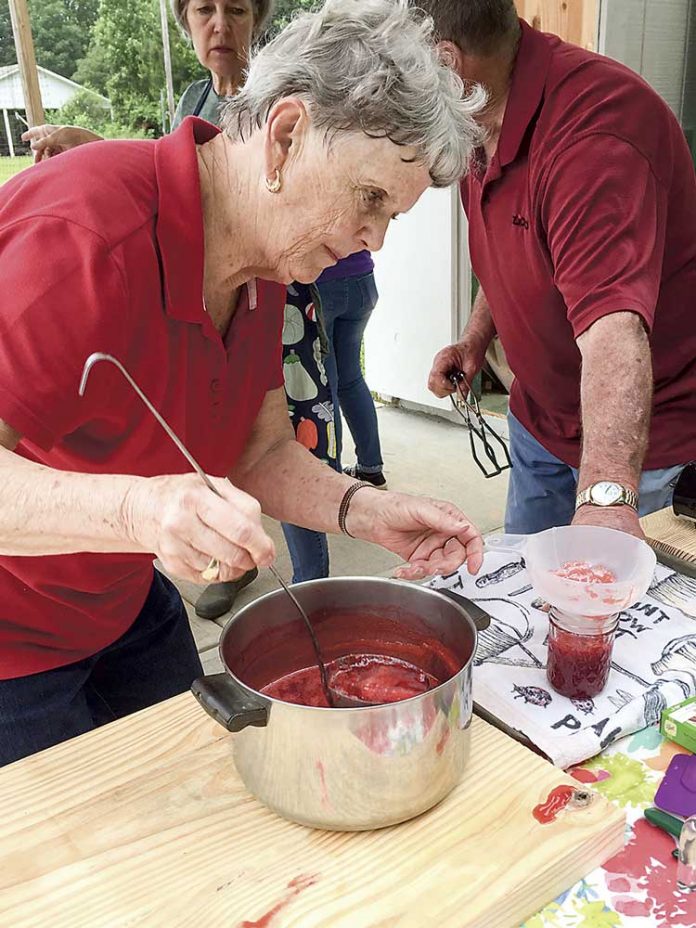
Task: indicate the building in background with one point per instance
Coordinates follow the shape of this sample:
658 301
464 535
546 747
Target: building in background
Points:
56 91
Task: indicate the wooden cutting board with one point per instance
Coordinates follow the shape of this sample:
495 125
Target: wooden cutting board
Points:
146 823
673 539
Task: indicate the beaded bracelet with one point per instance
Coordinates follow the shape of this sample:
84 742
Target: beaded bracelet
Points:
345 505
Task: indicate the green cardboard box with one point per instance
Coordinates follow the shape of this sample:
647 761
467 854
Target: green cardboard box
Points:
678 723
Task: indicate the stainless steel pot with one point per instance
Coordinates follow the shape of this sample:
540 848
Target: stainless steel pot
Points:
347 769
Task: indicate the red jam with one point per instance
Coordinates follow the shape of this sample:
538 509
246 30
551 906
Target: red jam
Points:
373 678
580 648
585 573
578 665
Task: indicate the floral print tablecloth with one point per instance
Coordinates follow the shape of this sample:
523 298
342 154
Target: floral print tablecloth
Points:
637 887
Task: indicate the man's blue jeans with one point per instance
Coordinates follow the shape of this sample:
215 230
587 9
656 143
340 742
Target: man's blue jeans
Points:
542 488
155 659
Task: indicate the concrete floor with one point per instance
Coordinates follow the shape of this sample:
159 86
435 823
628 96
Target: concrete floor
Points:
422 454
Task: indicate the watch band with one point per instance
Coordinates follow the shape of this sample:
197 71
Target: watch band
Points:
628 497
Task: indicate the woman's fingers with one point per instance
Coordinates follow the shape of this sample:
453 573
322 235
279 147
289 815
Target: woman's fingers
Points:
186 524
205 546
226 553
473 542
237 517
411 572
448 527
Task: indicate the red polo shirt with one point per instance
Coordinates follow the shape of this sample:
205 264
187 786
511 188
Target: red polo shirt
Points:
587 208
101 249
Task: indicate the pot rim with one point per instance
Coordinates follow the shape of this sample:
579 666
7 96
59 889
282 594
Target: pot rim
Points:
390 581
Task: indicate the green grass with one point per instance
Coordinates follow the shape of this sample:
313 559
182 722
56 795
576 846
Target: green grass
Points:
11 166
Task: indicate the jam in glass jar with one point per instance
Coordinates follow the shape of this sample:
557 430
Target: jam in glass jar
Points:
579 655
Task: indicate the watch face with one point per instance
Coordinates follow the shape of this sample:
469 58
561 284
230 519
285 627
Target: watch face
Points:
606 493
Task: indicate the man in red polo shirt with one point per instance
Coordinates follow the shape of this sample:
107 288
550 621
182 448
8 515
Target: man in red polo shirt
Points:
582 233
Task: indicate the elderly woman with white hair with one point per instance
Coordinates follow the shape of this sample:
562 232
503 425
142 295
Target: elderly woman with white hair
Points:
222 33
159 253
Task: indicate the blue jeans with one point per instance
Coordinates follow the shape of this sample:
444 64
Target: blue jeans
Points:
155 659
309 552
542 488
346 306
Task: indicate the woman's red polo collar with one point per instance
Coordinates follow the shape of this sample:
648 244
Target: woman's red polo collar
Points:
180 218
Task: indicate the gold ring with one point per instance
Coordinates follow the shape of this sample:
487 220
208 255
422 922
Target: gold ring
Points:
211 572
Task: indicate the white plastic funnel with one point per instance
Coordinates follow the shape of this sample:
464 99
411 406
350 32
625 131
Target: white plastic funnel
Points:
631 560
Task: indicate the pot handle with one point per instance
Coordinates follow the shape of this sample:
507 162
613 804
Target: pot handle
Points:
225 701
505 542
478 616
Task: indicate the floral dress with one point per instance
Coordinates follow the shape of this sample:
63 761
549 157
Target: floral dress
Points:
310 403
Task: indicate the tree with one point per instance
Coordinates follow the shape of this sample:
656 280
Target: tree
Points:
8 54
61 30
115 48
125 63
84 109
284 10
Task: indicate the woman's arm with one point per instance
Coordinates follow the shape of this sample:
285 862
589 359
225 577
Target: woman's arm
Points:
47 140
292 485
46 511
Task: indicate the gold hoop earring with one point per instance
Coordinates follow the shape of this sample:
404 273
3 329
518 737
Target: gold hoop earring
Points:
273 184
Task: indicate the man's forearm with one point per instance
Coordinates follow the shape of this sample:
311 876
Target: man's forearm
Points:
480 325
616 399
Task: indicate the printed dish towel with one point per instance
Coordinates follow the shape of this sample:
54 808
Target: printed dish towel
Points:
653 665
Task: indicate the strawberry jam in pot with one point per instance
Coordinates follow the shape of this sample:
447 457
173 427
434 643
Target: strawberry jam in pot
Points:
373 678
579 646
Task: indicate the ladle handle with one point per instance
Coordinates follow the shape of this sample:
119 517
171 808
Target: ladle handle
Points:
212 571
315 643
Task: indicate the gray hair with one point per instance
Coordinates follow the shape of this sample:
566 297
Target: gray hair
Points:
368 65
263 10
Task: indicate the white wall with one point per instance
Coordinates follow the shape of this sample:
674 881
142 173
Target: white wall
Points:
422 275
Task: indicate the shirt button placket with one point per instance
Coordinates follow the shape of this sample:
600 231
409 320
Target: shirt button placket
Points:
216 404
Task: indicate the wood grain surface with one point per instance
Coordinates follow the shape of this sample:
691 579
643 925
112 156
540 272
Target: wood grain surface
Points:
576 21
670 535
146 823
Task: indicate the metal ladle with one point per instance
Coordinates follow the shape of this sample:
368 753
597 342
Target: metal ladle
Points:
212 571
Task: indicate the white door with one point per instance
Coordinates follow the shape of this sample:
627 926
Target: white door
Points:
424 282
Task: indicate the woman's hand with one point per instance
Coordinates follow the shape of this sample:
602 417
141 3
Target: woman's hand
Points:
433 536
47 140
181 521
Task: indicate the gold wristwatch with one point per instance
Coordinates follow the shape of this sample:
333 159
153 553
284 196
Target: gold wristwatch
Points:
607 493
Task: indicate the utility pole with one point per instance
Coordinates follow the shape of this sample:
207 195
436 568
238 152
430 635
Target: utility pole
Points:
167 60
24 45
